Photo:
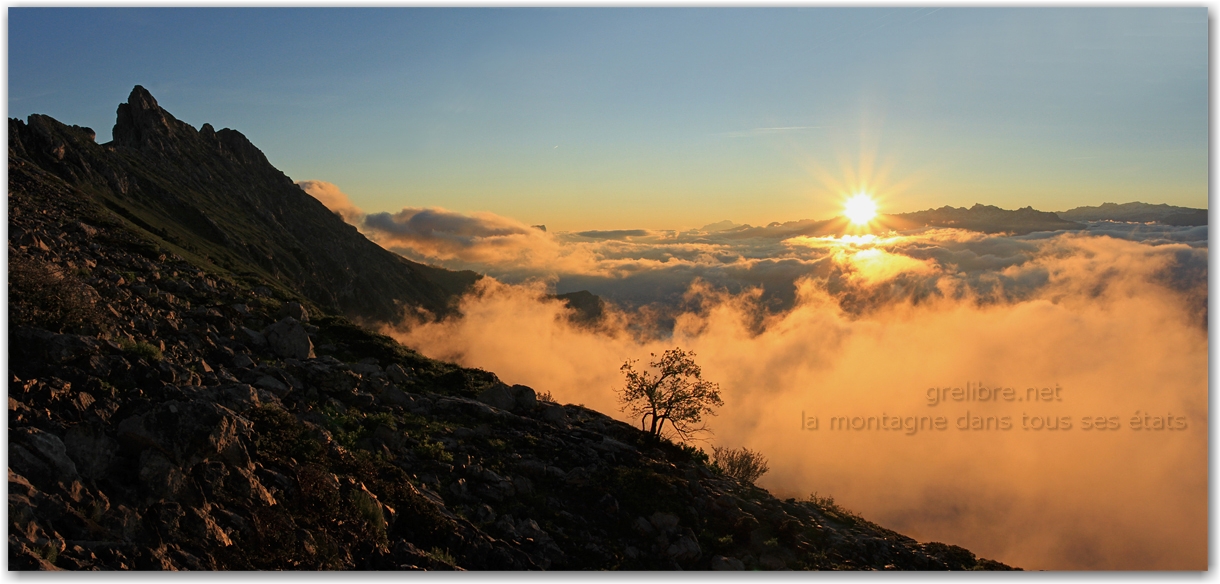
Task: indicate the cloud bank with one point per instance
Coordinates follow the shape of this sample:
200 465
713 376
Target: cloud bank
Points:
334 199
636 267
797 325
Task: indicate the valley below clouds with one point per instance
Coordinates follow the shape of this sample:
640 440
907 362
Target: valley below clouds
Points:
795 323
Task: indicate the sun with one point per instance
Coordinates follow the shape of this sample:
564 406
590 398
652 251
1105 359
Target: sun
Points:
860 209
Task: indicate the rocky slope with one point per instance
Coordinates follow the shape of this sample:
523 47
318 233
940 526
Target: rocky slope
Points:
166 413
213 198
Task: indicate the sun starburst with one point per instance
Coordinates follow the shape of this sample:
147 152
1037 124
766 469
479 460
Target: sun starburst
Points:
860 209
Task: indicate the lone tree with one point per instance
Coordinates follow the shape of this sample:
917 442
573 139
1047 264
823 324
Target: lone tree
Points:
676 393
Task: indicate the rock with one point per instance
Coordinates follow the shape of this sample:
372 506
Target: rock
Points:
608 504
524 397
272 384
517 398
254 338
664 522
395 396
532 466
288 339
242 361
364 368
295 311
399 375
189 431
529 528
91 450
247 486
726 563
239 396
686 549
160 477
459 489
555 414
485 514
48 449
506 527
200 526
498 396
87 230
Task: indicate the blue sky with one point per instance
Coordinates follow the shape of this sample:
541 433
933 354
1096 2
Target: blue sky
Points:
660 118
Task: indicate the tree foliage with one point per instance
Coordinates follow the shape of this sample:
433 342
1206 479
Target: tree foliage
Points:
672 391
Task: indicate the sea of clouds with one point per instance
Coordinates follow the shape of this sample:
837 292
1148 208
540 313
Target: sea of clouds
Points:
796 324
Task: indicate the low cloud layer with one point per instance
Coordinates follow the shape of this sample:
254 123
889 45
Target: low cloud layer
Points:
334 199
636 268
794 324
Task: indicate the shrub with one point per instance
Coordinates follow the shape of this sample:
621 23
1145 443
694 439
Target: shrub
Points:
434 450
141 349
370 510
742 464
442 556
830 507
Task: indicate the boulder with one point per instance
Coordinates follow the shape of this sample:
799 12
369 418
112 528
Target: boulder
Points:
498 396
398 374
517 398
46 449
254 338
289 339
189 431
524 397
684 550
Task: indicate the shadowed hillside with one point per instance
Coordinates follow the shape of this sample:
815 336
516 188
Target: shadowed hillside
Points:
212 197
171 406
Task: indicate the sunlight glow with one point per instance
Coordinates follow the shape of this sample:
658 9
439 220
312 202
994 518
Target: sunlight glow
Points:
860 209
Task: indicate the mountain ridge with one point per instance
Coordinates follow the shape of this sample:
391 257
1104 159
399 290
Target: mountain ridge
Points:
214 196
1138 212
167 413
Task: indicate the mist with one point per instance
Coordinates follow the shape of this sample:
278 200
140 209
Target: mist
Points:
1115 321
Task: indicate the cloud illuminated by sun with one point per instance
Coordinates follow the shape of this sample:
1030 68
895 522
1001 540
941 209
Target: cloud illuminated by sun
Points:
860 209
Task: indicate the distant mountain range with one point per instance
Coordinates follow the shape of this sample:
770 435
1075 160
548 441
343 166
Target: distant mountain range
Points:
1138 212
985 218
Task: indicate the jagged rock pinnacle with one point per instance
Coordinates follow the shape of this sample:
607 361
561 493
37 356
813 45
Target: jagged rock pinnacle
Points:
141 123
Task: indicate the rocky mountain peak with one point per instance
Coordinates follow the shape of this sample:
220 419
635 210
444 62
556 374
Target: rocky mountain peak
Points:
184 395
143 124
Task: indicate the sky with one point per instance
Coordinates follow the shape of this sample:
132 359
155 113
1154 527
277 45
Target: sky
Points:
446 135
646 118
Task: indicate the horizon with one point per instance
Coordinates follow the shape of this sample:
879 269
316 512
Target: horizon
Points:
528 154
586 118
